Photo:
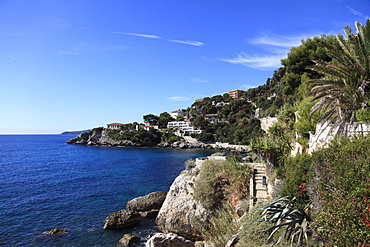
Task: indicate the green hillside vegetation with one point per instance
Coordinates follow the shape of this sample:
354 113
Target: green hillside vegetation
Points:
325 197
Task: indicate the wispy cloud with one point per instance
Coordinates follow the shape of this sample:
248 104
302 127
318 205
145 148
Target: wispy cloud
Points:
58 24
187 42
207 59
358 13
90 48
200 80
178 98
151 36
274 48
277 40
257 62
13 58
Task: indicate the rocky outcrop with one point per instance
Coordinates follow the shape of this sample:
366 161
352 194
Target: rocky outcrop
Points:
217 146
122 219
103 137
128 240
168 240
136 208
56 232
180 212
99 137
152 201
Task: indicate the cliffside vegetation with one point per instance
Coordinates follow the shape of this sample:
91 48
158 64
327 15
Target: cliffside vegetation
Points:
220 181
324 79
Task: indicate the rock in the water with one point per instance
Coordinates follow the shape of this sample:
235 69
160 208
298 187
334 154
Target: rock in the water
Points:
56 231
180 212
122 219
168 240
149 202
127 240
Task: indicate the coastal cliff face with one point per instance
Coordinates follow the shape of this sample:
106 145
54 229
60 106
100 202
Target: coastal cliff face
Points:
180 212
104 137
99 136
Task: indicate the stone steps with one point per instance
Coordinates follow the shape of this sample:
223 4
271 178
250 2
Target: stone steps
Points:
259 182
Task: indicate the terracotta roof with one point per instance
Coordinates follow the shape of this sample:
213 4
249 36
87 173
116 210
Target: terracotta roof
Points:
115 124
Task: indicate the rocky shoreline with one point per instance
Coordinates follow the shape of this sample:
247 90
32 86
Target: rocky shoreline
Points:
102 137
178 216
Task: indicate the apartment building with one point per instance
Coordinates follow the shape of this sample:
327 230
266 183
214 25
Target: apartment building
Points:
185 126
236 94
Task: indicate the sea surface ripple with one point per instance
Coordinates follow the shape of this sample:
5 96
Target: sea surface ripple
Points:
46 184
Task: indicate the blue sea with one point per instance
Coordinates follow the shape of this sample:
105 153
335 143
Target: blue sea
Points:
46 184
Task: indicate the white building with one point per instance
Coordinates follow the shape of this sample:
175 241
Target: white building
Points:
184 126
147 127
114 125
212 118
176 113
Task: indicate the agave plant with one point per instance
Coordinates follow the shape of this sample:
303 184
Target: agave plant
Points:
293 222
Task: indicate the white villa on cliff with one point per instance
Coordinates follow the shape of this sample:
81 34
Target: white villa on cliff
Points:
114 125
176 113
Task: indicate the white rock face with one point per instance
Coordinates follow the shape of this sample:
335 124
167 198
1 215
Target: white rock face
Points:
168 240
180 212
267 122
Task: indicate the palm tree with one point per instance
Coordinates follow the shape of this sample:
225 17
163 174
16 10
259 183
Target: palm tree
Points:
345 87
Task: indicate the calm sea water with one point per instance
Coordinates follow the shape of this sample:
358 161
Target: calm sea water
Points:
46 184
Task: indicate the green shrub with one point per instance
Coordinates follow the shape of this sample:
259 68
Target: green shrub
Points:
223 225
234 158
172 139
298 172
363 115
221 181
209 185
252 234
342 179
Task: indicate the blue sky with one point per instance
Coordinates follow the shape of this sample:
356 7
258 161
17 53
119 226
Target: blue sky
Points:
77 64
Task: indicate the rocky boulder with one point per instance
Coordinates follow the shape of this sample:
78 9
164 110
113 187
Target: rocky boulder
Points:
81 139
55 232
122 219
127 240
149 202
180 212
168 240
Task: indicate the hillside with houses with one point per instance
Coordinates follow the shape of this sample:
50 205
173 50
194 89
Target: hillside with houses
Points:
306 132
